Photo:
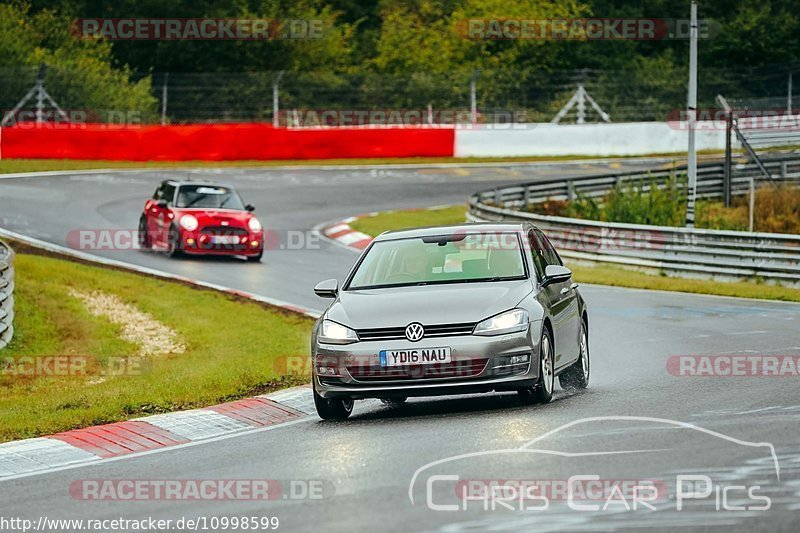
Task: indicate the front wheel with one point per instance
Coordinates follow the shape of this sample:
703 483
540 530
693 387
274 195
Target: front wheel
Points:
144 235
174 243
577 375
334 409
255 258
542 392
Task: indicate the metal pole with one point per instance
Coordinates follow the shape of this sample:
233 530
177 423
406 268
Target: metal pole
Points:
473 98
789 97
275 102
40 95
691 192
164 100
728 168
581 104
752 201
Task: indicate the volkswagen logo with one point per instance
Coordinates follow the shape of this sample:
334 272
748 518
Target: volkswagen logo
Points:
415 331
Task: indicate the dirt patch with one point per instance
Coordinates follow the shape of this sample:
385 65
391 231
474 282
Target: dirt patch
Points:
153 337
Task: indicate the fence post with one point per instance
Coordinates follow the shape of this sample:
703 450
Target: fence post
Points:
275 103
752 201
164 100
570 190
726 183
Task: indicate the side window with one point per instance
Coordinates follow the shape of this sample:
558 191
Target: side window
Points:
168 193
537 252
550 254
158 194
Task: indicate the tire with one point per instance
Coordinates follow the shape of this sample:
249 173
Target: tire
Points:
174 249
144 235
577 375
394 402
542 392
338 409
255 258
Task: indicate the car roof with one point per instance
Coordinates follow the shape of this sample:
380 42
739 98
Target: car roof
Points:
470 227
179 183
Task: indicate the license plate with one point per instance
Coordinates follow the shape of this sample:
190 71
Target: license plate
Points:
415 356
224 239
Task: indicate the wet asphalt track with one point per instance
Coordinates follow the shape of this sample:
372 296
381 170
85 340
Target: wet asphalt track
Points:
368 462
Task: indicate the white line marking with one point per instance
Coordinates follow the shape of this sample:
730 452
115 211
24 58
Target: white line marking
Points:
757 410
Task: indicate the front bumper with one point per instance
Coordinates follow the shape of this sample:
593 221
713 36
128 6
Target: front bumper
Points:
198 242
479 364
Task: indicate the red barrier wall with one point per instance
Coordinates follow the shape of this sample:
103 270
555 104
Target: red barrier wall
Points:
219 142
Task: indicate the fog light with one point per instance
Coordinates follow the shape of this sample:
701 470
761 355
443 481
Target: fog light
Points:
190 242
254 244
327 371
517 359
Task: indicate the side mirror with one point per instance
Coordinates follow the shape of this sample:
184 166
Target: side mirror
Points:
162 204
327 289
555 274
250 207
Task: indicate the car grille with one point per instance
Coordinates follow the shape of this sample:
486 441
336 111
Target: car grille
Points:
439 330
223 230
456 369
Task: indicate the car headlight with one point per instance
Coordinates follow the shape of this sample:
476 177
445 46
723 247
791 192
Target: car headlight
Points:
254 224
189 222
511 321
335 333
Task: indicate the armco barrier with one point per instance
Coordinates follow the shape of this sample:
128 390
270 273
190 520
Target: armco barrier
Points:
6 294
680 251
221 142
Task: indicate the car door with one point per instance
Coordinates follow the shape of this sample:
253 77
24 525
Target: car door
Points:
160 215
563 303
151 211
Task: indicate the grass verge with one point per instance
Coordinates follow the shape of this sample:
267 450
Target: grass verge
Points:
599 275
234 349
410 218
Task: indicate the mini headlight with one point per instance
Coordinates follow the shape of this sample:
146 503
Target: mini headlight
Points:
335 333
511 321
189 222
254 224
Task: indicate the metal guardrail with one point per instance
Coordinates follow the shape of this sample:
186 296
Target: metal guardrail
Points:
6 294
679 251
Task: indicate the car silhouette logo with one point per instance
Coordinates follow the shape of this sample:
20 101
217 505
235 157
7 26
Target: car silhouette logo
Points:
414 331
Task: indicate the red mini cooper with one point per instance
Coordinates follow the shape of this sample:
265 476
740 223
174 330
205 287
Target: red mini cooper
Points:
200 218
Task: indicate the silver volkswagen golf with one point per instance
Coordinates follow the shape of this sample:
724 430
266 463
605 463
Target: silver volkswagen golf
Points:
450 310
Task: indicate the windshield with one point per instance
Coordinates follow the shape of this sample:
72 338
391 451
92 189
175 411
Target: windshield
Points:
460 258
208 196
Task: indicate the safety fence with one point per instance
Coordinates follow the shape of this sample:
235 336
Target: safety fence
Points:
677 251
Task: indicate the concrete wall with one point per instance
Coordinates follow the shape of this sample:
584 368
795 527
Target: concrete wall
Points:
631 138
